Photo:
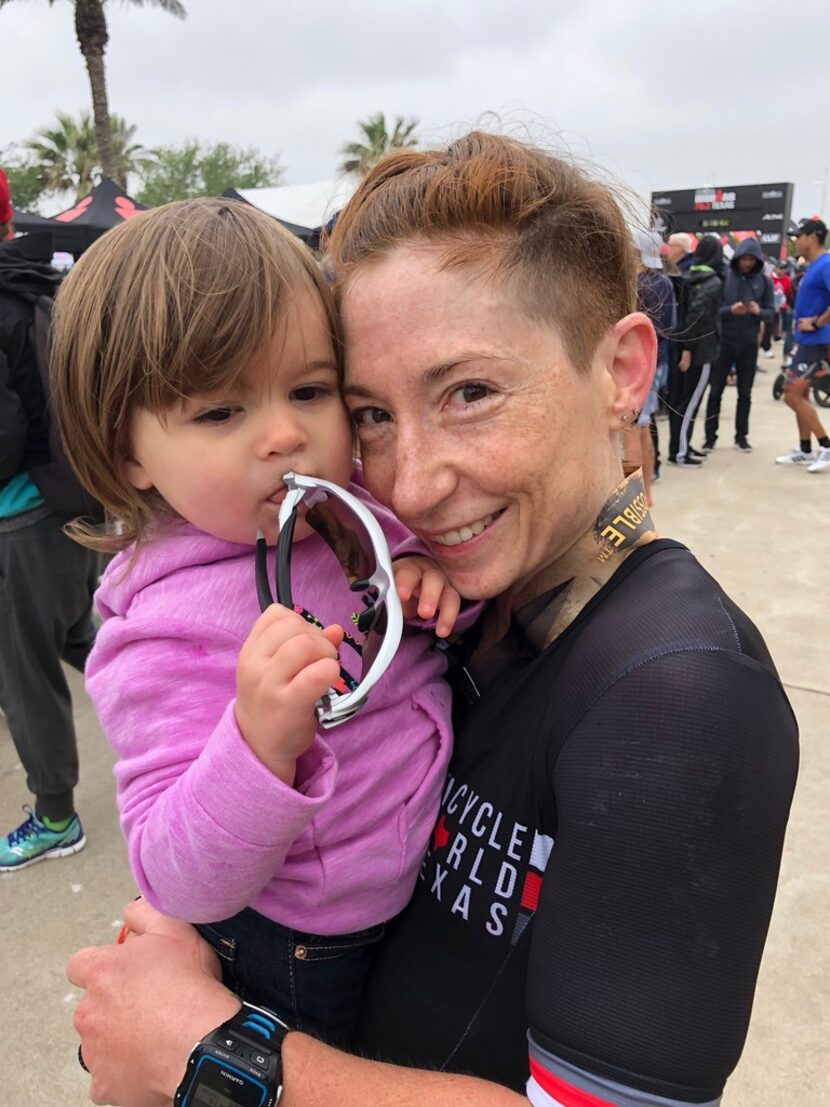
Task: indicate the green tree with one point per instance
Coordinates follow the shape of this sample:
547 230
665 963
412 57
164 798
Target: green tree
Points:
24 178
377 141
67 155
180 172
93 36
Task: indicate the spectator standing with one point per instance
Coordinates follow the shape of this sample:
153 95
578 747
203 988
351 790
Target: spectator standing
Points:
747 304
46 579
698 339
655 296
679 250
811 328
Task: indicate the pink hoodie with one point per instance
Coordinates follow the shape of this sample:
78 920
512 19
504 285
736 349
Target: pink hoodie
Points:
209 830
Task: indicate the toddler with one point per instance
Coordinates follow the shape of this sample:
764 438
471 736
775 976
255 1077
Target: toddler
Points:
195 361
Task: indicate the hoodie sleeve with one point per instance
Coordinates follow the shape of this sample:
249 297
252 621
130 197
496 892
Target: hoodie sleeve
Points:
207 825
702 314
767 304
13 425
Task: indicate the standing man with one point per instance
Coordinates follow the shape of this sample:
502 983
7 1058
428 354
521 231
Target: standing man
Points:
811 329
678 249
46 579
747 304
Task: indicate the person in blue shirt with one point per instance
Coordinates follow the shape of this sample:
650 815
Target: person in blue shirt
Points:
811 328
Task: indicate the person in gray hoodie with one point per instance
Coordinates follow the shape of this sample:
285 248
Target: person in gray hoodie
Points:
747 303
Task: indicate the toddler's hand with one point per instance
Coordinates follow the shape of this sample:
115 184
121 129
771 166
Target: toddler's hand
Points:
284 667
423 590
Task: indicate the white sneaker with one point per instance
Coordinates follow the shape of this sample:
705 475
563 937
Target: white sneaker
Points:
795 457
822 461
767 353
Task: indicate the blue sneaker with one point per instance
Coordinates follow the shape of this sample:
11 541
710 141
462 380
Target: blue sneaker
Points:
33 841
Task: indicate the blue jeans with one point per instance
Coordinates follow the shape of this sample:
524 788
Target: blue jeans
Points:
314 982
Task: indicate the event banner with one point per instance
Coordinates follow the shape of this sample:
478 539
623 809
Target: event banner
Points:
733 210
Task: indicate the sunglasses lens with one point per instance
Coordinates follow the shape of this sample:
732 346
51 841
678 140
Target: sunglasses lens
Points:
346 537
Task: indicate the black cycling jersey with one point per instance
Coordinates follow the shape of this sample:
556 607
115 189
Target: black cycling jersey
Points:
604 864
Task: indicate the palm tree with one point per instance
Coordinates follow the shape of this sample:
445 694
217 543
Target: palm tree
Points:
67 155
361 156
91 32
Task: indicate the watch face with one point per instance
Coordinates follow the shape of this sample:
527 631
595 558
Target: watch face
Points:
216 1084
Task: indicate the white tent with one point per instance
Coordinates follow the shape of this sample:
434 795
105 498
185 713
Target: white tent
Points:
304 205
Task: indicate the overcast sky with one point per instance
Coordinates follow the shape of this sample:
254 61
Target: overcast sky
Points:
662 95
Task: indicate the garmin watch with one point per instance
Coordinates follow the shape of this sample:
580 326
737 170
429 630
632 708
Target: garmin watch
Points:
237 1065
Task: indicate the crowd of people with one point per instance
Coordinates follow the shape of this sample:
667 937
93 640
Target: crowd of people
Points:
726 313
574 804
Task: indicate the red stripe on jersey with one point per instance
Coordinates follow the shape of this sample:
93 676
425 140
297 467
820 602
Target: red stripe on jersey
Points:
530 891
565 1094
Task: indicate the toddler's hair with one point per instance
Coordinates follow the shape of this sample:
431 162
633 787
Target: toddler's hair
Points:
173 302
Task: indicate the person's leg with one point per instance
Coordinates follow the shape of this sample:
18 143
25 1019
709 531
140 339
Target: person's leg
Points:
797 398
717 383
46 597
682 389
745 365
698 380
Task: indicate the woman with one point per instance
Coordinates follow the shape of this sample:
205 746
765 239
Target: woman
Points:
621 730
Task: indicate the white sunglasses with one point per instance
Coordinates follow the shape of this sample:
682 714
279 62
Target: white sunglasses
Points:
355 538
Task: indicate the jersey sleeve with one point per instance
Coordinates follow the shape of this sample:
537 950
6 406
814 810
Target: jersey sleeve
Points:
207 825
672 795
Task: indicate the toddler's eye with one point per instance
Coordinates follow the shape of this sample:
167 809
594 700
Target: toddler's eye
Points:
307 393
216 415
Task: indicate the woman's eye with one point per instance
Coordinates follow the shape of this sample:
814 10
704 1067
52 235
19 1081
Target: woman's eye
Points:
370 417
471 393
216 415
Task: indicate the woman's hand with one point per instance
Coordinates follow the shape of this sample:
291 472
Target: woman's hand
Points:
284 667
423 589
146 1004
685 361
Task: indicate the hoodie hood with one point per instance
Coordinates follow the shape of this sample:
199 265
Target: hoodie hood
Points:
709 252
25 265
752 247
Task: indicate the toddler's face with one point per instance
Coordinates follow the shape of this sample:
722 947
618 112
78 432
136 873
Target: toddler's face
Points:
218 460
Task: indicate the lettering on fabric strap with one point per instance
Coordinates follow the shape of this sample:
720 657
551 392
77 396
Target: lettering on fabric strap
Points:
556 1092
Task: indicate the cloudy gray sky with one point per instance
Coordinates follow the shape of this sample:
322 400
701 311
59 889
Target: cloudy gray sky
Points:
662 95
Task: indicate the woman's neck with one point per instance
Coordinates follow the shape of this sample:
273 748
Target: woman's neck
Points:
622 524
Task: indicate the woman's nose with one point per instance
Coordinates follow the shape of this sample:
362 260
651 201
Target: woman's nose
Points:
422 478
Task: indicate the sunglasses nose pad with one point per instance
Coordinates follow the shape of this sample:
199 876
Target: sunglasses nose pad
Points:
366 619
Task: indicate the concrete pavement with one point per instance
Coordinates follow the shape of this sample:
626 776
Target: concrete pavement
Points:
764 532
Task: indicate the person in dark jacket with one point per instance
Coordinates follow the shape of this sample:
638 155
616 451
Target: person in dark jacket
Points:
46 579
698 337
747 303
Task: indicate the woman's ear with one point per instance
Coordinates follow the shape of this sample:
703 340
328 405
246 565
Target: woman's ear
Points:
631 359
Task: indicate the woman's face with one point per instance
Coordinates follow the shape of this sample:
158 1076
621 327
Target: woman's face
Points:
475 428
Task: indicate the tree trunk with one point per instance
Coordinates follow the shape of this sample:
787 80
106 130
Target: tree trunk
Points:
91 31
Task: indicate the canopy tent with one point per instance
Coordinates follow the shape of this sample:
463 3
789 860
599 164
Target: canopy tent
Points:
78 227
304 209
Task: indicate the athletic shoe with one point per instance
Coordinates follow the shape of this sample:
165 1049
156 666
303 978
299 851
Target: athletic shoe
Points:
767 353
708 445
655 476
34 841
690 461
795 457
742 445
696 453
822 461
786 363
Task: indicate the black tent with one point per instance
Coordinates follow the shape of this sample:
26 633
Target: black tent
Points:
78 227
309 235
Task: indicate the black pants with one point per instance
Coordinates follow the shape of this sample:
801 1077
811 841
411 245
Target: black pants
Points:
46 586
744 358
314 982
687 392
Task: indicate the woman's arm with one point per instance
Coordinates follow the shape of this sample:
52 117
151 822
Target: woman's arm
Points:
149 1001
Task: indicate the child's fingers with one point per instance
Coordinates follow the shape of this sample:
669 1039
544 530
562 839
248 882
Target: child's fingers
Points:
335 635
448 610
429 594
300 652
274 616
408 575
272 638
